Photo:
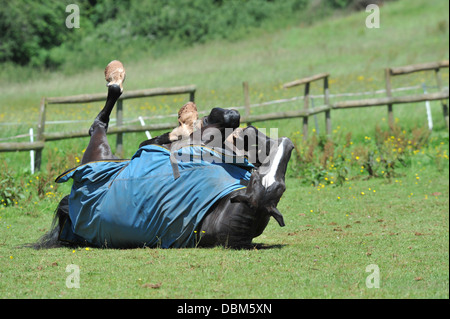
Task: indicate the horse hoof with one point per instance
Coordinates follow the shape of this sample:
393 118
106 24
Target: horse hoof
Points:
187 119
188 115
115 74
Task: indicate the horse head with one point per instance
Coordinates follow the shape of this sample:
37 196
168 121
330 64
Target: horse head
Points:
267 183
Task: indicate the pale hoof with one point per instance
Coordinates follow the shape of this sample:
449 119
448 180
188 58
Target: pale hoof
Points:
115 74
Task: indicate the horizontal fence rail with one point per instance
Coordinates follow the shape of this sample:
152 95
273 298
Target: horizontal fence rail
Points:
391 100
54 136
306 80
418 67
286 114
22 146
86 98
302 112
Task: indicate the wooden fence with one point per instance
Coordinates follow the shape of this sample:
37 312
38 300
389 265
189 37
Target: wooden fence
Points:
305 112
326 108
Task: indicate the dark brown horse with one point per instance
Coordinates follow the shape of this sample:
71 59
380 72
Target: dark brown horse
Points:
234 219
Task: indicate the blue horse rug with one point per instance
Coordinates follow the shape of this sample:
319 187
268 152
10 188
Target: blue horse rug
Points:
140 202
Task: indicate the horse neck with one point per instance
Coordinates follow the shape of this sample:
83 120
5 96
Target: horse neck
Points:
233 224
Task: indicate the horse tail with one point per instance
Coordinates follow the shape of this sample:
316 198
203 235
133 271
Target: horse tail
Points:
51 238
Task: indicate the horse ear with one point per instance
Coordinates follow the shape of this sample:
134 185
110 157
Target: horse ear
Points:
275 213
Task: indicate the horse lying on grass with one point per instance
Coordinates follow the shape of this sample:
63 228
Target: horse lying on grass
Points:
201 185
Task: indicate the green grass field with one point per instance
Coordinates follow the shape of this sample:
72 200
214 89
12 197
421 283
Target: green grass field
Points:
322 252
400 223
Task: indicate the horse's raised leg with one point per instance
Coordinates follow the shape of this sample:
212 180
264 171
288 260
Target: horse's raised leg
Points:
98 147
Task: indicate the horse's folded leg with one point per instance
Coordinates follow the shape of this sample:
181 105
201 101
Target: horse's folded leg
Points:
159 140
188 122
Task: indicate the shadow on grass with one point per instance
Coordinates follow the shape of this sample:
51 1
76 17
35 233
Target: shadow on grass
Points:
261 246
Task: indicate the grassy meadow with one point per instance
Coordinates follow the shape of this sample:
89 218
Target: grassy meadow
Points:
340 218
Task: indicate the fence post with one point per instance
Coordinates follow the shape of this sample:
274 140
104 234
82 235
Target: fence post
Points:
306 107
40 134
443 102
192 96
32 152
327 102
389 94
119 122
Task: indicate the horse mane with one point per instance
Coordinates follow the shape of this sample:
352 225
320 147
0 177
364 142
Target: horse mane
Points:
51 238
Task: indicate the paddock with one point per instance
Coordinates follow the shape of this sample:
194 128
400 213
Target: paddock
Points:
348 234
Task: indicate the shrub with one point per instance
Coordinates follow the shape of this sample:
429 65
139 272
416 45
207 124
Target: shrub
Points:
30 29
11 189
34 33
322 161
